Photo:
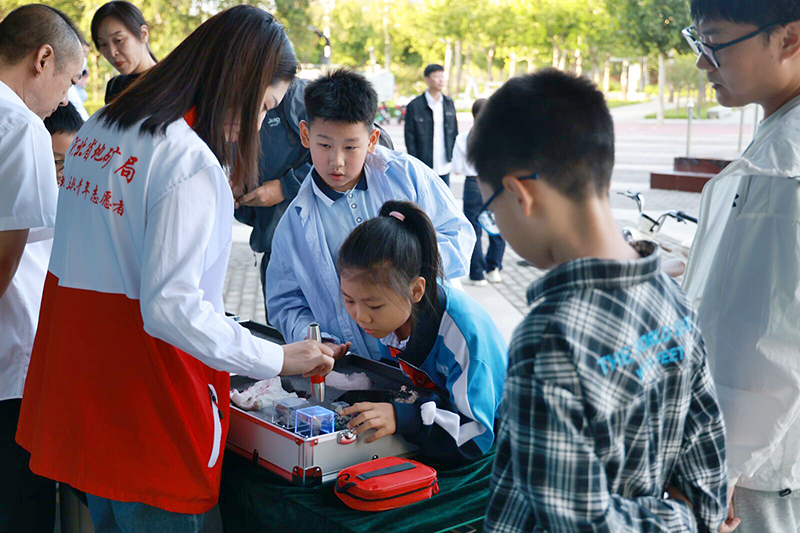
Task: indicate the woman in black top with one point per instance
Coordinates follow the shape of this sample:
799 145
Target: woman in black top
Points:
121 34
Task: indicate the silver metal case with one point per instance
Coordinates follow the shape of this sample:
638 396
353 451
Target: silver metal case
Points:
314 460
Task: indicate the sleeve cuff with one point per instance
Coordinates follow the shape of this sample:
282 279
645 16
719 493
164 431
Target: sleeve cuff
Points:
327 337
270 361
292 180
14 223
408 419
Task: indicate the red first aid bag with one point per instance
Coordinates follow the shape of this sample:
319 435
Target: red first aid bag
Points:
386 483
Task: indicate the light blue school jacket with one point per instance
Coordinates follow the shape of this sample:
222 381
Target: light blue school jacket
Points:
302 284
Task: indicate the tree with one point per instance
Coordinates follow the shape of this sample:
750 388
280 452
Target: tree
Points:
654 27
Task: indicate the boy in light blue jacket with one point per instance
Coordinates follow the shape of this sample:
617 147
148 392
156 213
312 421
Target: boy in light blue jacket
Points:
351 179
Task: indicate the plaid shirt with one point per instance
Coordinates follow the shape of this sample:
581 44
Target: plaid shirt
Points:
608 400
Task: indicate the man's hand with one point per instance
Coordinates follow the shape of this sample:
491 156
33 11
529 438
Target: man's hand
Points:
268 195
309 358
732 521
339 350
377 416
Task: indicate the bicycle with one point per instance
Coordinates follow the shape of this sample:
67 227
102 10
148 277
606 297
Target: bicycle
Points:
649 227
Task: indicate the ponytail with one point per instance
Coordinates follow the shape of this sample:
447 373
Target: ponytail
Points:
394 249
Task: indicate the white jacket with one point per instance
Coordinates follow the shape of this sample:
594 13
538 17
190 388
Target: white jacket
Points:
744 277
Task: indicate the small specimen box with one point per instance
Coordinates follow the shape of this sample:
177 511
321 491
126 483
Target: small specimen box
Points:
285 411
313 421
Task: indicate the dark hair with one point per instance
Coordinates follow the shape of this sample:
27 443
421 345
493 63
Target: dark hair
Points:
128 14
28 28
549 122
430 69
201 74
65 119
759 14
477 105
391 252
341 95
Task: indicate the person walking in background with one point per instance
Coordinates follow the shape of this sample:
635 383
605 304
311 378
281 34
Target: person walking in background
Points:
431 126
482 268
121 34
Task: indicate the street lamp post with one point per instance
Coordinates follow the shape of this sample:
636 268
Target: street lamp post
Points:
690 108
326 51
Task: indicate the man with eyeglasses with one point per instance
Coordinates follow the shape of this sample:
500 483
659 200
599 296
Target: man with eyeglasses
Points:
744 270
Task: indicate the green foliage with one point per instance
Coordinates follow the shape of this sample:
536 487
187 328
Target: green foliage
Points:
652 26
682 113
682 73
495 37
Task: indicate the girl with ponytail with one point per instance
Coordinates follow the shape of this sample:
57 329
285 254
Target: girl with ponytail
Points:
391 282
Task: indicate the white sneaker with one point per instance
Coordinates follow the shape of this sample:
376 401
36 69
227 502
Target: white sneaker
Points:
494 276
478 282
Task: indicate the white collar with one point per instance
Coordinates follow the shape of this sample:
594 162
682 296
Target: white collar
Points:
392 341
319 194
431 101
7 93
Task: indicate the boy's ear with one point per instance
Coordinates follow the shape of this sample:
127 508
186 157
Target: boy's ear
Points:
524 193
374 137
790 47
305 134
417 289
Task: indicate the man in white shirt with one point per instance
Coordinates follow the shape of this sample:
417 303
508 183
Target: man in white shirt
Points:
431 126
40 59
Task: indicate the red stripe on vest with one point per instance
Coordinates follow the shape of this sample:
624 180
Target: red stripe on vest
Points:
115 412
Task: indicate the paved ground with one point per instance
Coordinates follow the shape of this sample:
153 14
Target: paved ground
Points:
642 146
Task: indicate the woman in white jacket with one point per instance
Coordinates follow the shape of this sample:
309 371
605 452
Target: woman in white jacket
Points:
127 392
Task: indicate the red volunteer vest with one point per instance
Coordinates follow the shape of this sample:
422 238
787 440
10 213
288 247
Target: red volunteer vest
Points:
117 413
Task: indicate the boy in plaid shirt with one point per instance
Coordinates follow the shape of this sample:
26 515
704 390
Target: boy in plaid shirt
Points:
608 401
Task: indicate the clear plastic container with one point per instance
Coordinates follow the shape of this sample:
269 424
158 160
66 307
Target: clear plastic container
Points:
313 421
285 410
338 407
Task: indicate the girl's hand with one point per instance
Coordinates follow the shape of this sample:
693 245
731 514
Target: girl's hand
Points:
377 416
339 350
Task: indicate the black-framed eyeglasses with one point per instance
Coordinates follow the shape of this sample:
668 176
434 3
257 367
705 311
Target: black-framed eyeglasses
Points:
486 216
709 51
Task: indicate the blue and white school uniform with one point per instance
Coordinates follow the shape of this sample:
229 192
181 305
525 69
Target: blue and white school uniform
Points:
457 358
302 283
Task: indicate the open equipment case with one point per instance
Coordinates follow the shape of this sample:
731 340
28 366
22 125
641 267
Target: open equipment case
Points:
309 461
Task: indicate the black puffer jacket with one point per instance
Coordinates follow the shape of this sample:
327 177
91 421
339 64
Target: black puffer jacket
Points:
419 129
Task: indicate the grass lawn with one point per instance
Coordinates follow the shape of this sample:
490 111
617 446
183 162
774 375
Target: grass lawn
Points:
620 103
680 113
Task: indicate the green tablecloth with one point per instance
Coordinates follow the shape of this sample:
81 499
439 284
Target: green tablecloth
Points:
253 499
